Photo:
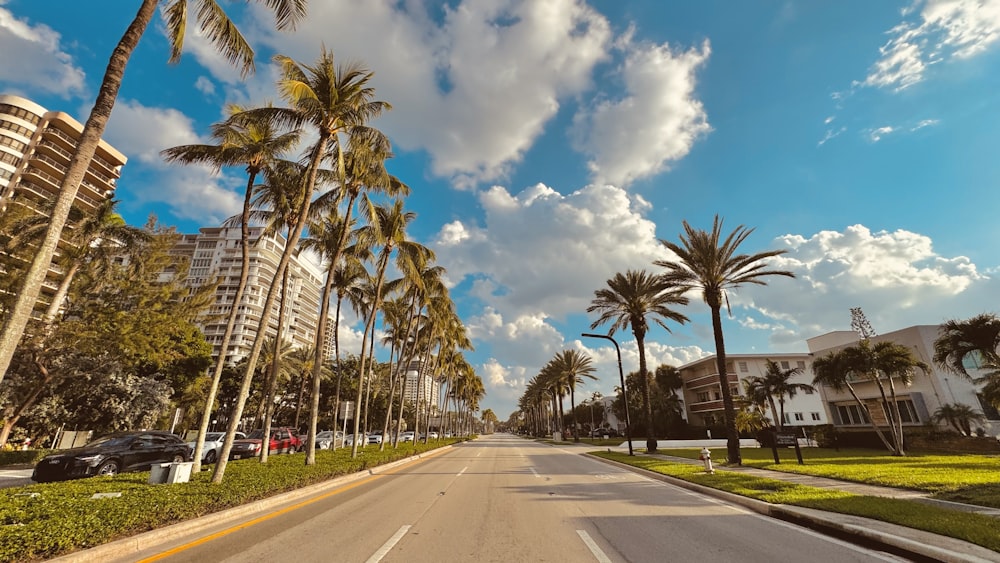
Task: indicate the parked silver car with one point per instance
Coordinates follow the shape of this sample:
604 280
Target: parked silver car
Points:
213 445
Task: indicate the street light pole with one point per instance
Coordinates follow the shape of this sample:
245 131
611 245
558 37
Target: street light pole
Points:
621 374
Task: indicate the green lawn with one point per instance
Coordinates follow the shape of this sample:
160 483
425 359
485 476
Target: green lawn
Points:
974 528
970 478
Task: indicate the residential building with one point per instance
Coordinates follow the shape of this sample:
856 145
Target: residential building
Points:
36 146
917 401
215 255
418 374
703 395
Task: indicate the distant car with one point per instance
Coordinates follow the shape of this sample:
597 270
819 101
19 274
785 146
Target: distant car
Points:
406 436
375 438
349 440
432 435
283 440
112 454
324 440
213 445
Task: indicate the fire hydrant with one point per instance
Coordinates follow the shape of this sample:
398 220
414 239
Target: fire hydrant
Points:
706 458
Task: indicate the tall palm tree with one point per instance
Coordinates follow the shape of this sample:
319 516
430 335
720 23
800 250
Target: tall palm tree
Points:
631 300
224 36
833 371
335 102
254 144
977 338
710 263
573 366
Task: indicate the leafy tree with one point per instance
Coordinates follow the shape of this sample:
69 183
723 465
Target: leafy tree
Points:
710 263
630 301
977 338
959 416
775 382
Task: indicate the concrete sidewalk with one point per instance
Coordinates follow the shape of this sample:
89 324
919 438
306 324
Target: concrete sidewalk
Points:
915 544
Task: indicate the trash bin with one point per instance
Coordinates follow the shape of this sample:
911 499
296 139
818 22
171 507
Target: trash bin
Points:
158 473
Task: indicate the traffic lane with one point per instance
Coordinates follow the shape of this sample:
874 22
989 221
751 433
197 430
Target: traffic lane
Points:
634 518
347 524
15 477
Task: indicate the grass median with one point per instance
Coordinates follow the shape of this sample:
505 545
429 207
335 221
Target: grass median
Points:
44 520
974 528
968 478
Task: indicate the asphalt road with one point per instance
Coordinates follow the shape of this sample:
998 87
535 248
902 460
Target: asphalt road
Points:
15 477
501 498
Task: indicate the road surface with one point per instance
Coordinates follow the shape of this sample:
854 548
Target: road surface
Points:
501 498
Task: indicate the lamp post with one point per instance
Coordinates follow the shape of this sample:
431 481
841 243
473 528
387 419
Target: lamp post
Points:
621 374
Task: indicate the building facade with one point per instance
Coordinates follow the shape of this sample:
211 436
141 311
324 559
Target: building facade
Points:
215 254
703 395
419 376
917 402
36 146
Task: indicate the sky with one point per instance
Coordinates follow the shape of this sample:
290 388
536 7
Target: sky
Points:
550 144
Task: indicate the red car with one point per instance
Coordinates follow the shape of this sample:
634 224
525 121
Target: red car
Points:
283 440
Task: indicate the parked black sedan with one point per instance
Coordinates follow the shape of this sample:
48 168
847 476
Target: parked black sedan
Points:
112 454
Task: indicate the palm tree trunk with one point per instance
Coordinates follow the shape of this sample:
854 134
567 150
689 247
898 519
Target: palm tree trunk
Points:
318 359
272 378
60 295
896 449
868 413
732 434
370 326
340 375
899 420
647 404
576 421
778 422
19 315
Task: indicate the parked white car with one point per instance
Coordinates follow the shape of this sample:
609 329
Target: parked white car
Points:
406 436
213 445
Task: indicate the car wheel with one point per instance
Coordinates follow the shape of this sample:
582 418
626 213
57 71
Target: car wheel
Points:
178 458
109 468
211 457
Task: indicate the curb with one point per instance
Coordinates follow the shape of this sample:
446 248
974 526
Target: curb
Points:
146 540
844 526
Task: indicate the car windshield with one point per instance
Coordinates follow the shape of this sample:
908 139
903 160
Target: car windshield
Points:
110 442
213 436
256 435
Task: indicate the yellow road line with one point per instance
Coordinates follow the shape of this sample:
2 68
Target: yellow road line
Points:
270 515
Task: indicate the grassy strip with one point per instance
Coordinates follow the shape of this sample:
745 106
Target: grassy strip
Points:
974 528
63 517
969 478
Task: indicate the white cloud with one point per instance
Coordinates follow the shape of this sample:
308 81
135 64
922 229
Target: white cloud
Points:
543 251
876 134
476 90
653 124
142 132
896 277
945 29
205 85
33 56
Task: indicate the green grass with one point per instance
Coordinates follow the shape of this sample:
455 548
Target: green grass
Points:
971 478
63 517
974 528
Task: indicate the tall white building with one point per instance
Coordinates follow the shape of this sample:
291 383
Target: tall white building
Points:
215 254
418 374
36 146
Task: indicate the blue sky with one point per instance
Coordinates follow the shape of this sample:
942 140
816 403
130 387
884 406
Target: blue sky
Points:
549 144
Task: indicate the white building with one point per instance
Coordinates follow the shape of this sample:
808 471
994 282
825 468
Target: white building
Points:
918 401
703 394
36 146
418 375
215 254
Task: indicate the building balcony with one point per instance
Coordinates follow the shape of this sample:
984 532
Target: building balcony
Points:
709 380
706 407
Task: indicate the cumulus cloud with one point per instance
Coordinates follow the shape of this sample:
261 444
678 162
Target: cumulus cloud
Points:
653 124
943 30
474 87
33 56
543 251
205 85
896 277
191 192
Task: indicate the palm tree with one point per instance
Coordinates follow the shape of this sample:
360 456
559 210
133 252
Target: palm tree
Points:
776 382
707 262
335 101
959 416
833 371
978 338
572 366
630 301
222 33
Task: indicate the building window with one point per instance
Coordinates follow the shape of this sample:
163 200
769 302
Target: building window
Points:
786 418
851 415
798 416
800 364
744 367
785 365
703 397
907 413
815 416
717 395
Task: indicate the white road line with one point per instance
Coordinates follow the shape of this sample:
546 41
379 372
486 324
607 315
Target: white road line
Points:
479 454
462 471
387 546
594 548
533 471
